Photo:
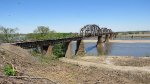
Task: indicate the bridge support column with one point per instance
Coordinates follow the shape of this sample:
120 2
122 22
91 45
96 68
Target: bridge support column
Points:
100 45
80 48
100 41
107 38
49 50
111 36
68 52
115 35
100 50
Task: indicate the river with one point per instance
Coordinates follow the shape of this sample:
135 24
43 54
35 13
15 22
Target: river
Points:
116 49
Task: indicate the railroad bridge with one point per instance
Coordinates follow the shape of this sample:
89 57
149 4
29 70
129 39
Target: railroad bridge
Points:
103 35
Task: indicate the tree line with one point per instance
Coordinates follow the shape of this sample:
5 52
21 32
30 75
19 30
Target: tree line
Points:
8 35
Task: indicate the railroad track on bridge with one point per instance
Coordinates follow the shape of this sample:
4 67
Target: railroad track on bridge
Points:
85 32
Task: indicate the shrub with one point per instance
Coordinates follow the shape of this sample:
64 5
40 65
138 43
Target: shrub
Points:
9 70
59 50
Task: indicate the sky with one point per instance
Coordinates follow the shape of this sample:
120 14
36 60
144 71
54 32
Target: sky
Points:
72 15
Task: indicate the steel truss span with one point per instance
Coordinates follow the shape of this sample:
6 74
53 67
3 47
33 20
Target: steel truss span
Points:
94 30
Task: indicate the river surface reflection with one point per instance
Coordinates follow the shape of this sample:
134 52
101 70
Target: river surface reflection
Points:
116 49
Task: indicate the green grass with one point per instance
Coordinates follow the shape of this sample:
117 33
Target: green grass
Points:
9 70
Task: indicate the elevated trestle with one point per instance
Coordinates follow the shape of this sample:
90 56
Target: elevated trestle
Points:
46 46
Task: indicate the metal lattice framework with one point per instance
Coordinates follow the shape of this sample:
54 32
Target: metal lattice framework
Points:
93 30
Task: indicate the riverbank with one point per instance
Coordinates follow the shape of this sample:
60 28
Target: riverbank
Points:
110 63
136 70
122 41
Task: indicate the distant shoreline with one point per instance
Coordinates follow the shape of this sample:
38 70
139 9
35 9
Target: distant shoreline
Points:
122 41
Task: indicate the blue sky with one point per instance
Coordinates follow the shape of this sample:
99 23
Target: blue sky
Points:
71 15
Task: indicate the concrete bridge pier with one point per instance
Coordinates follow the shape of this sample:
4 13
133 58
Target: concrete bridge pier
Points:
49 50
100 41
111 36
100 45
80 48
100 50
68 51
45 50
115 35
107 38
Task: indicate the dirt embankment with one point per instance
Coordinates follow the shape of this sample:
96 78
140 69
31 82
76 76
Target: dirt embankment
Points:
132 72
118 60
22 61
24 80
131 61
16 56
60 72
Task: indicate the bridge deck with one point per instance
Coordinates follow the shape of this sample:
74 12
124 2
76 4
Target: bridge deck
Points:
34 44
